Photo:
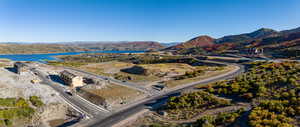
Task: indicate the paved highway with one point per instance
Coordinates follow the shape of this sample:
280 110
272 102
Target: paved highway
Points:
154 100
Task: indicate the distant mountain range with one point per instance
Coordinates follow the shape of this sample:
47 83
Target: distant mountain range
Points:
248 37
286 45
134 45
169 44
32 48
17 48
296 30
276 43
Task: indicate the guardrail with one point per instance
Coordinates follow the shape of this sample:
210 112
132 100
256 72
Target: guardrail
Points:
92 104
87 115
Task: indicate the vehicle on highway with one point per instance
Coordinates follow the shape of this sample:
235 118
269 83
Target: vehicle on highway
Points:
159 87
69 92
123 102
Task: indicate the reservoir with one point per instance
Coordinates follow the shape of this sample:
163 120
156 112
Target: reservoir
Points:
51 56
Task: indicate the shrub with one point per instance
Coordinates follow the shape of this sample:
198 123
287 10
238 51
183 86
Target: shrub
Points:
25 112
36 101
14 109
220 119
261 117
21 102
156 125
7 102
8 122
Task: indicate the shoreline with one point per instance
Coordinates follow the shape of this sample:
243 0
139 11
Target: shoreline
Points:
51 56
88 51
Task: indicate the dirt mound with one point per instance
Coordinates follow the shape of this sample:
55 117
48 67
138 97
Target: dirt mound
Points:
139 70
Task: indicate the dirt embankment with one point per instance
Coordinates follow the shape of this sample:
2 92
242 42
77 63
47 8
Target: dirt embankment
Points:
13 85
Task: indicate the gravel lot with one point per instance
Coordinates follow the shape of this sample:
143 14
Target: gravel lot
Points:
14 85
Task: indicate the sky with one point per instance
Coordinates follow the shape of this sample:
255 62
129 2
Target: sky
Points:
140 20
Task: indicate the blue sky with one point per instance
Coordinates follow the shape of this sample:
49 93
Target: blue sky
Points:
137 20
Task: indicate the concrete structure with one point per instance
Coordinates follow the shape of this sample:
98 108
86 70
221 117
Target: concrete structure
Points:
255 51
71 79
21 67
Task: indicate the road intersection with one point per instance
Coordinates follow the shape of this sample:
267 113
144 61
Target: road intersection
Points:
97 116
155 100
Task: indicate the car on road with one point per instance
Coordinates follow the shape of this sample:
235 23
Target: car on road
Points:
69 92
159 87
123 102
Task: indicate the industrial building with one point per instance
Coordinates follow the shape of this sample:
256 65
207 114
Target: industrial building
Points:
71 79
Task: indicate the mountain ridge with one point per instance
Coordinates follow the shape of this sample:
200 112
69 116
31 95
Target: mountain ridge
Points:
248 37
200 41
36 48
275 43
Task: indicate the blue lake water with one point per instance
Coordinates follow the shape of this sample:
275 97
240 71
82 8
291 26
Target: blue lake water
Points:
50 56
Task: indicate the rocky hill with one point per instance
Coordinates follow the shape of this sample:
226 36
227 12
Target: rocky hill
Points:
201 41
276 43
283 46
248 37
296 30
207 41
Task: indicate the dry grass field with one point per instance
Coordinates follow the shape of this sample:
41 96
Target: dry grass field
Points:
105 68
116 95
219 58
155 72
208 72
140 79
176 68
114 68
